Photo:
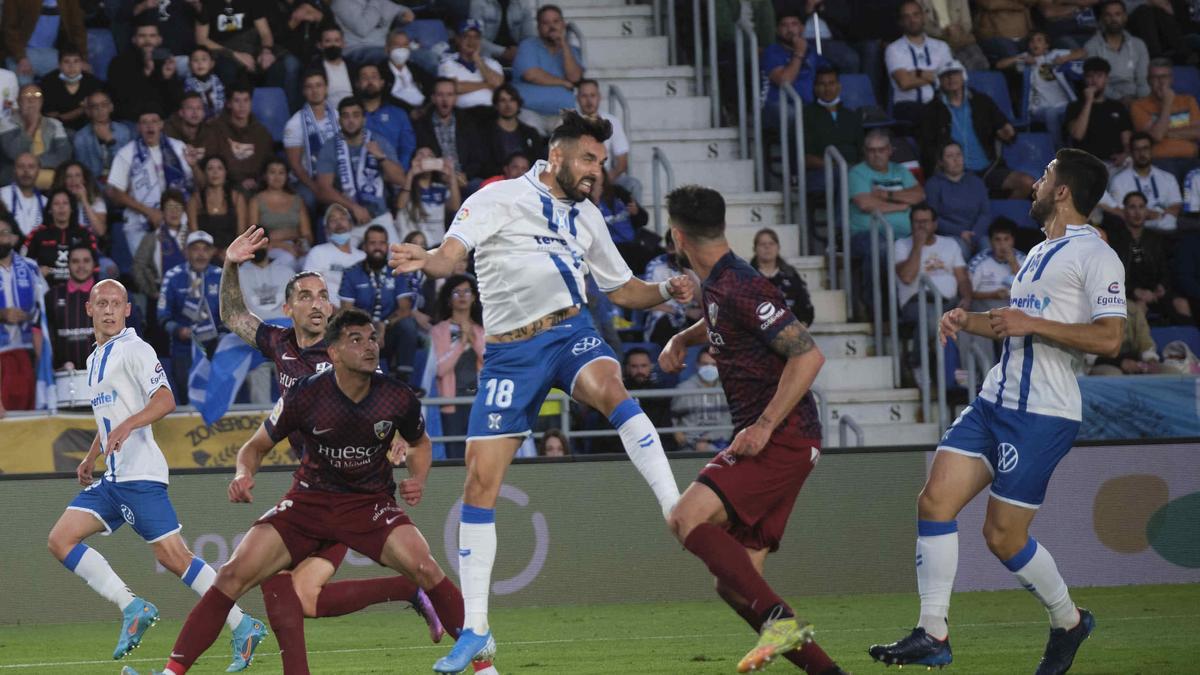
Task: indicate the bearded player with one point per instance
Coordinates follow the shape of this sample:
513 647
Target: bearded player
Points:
129 393
534 239
347 417
736 511
299 351
1067 300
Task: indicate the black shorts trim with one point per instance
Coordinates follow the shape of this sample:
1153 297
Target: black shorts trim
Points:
730 512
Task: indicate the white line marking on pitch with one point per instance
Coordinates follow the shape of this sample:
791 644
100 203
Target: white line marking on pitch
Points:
526 643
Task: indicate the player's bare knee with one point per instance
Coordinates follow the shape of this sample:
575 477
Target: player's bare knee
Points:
1004 543
60 544
427 574
307 593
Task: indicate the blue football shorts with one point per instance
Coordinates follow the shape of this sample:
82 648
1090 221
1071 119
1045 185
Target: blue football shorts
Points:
516 376
1021 449
143 504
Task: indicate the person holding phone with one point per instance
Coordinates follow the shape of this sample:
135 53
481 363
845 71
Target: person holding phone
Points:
430 197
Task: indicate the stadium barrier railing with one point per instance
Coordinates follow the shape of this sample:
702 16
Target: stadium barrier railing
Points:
837 215
790 99
925 289
877 222
659 159
975 356
846 425
750 140
574 29
706 41
617 97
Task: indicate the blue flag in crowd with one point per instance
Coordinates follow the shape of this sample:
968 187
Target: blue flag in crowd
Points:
46 396
214 384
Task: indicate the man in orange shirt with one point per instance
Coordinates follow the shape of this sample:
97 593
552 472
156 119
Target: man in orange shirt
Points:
1176 133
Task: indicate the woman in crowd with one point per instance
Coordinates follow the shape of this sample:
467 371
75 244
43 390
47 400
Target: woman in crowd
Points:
784 277
430 198
75 178
554 444
280 211
217 209
60 231
457 347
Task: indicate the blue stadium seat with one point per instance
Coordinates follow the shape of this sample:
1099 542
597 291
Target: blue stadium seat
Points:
1030 152
1015 209
993 84
270 106
857 91
1165 334
1186 80
101 50
428 32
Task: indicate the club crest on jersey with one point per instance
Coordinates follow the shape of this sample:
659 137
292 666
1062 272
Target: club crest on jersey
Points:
277 411
463 214
1006 457
712 313
494 421
587 344
382 428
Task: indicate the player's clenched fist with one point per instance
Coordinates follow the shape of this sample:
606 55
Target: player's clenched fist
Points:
1009 322
84 471
681 288
406 258
749 441
952 322
240 487
411 490
672 356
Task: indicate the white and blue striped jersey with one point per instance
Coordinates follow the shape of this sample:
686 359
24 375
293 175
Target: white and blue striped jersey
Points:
532 250
1076 278
123 374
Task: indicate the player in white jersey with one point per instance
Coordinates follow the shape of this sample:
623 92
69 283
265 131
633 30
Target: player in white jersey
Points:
535 237
129 393
1068 299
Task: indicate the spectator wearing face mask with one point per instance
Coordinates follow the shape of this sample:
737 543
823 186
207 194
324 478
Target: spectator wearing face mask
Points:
66 89
705 408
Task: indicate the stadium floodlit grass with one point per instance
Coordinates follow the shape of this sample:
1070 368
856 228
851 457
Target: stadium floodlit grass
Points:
1140 629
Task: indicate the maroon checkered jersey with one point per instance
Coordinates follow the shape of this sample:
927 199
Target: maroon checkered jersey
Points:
744 312
345 444
293 363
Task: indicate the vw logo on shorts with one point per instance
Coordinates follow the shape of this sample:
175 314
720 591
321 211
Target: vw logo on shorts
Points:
585 345
1006 457
127 513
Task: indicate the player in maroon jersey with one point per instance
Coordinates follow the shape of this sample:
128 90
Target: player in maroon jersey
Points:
299 351
343 491
736 511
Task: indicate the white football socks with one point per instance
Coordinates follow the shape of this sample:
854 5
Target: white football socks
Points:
476 556
645 450
200 577
937 564
1035 568
86 562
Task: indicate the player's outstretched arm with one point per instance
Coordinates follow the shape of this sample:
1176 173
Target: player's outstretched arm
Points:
804 362
162 403
1101 337
438 263
234 312
249 459
638 294
418 461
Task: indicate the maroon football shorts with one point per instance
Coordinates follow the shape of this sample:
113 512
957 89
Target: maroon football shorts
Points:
759 491
314 522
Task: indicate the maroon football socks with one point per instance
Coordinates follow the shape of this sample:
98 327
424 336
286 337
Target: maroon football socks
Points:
448 603
201 629
286 615
347 597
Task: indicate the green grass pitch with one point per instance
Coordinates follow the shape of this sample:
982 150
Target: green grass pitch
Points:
1140 629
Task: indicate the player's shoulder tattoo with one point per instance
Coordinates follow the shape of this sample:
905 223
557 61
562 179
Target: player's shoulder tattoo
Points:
793 340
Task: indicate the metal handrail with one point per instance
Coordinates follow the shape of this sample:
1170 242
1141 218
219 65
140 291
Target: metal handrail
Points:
822 413
573 28
878 221
847 423
714 87
745 31
925 286
789 96
833 157
658 158
615 96
974 356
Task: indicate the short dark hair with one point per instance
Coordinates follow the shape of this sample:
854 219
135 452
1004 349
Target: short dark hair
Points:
1135 193
146 19
68 50
1002 224
921 206
350 317
173 195
200 48
587 80
358 73
314 72
375 228
290 288
575 126
1095 64
185 97
440 80
1083 174
514 155
7 219
351 102
634 351
1140 136
826 69
548 8
507 88
788 13
80 246
239 88
697 210
1103 4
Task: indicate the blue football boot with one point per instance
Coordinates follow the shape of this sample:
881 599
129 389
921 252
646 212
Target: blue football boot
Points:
246 637
469 647
1063 643
139 616
917 648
